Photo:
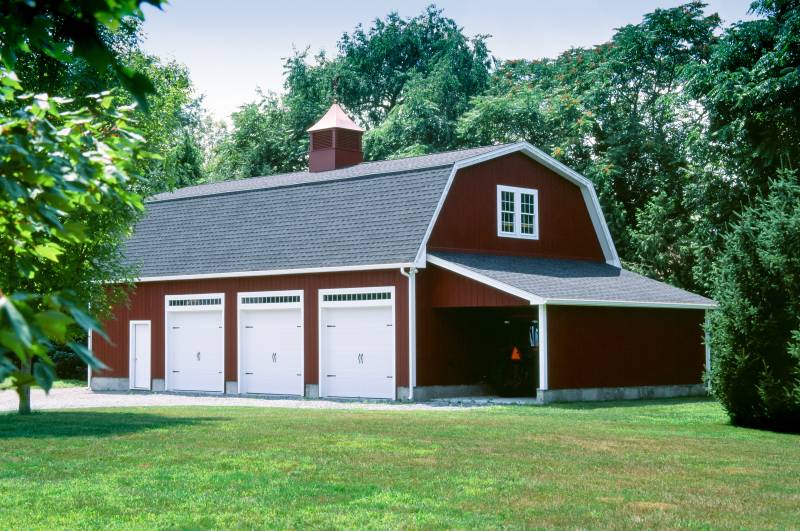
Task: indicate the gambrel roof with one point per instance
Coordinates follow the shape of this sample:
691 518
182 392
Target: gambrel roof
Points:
374 215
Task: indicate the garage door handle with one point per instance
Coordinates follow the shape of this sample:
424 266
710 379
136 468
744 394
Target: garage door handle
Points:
176 371
248 373
331 375
198 356
248 326
331 326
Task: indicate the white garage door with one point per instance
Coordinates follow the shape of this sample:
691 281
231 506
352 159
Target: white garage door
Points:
271 343
195 358
357 357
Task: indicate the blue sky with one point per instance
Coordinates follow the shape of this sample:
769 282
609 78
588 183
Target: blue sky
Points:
235 46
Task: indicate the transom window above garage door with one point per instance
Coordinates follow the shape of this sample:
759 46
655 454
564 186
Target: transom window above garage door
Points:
195 302
517 212
274 299
343 297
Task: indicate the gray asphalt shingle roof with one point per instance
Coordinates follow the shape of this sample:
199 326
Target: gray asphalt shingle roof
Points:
563 280
447 158
378 219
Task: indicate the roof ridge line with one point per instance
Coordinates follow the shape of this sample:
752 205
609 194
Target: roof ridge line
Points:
291 185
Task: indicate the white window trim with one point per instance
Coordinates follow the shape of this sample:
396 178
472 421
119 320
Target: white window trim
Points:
517 212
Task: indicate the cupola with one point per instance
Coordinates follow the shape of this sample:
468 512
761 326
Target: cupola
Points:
335 142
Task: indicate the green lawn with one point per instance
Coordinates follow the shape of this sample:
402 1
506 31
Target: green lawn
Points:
656 464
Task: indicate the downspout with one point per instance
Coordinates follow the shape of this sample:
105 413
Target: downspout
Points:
89 367
412 327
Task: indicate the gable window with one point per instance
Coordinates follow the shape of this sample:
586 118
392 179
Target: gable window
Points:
517 212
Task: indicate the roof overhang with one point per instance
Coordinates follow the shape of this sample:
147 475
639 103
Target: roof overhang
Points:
276 272
537 300
585 185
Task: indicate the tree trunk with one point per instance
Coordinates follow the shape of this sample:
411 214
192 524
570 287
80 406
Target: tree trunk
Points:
24 392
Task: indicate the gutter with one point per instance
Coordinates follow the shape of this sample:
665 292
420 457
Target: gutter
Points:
411 275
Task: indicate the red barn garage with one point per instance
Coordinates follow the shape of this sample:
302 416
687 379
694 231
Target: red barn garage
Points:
482 271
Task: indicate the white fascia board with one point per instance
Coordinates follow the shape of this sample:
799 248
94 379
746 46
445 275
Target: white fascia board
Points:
538 300
586 186
276 272
483 279
632 304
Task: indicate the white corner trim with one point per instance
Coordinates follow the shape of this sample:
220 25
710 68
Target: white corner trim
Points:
483 279
412 329
538 299
543 361
586 186
275 272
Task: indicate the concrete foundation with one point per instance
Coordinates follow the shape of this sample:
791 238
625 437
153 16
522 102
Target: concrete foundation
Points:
231 388
597 394
312 391
159 385
101 383
430 392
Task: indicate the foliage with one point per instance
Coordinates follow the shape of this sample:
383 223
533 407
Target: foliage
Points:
66 30
406 80
756 331
66 187
61 170
259 142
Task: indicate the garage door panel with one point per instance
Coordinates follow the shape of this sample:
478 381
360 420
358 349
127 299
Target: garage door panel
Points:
195 350
358 351
271 343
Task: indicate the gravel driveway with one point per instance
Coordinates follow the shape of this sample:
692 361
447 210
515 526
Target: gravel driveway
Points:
80 397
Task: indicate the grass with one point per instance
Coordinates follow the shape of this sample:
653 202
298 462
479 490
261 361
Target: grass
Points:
58 384
659 464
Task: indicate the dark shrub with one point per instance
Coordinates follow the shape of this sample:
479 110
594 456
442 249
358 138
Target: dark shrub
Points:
756 331
68 365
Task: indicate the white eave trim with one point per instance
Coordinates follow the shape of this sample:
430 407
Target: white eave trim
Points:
632 304
276 272
586 186
536 300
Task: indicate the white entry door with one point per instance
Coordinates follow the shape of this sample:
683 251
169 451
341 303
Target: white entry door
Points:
139 373
271 343
195 349
358 347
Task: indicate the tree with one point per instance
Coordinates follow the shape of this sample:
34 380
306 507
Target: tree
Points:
67 181
756 330
405 80
259 143
61 169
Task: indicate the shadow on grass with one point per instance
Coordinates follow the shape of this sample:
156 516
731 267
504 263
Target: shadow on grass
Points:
632 403
89 423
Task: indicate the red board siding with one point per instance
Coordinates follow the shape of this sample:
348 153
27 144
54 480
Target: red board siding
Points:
450 343
147 303
618 347
468 220
440 288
